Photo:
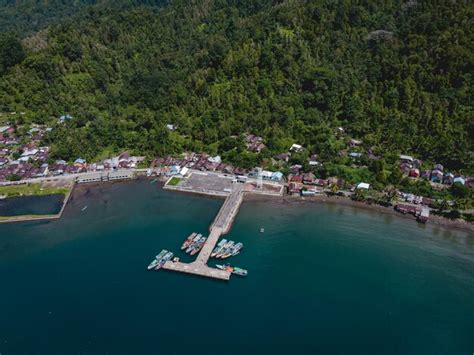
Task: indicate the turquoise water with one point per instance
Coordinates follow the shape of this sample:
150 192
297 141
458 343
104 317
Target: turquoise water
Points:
323 279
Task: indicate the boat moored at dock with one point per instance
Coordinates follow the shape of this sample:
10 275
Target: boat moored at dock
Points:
233 269
188 241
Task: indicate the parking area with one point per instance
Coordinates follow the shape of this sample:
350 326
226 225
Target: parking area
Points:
200 181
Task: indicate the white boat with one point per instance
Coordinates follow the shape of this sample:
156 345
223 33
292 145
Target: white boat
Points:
84 208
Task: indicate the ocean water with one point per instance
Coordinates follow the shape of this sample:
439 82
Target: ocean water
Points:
323 279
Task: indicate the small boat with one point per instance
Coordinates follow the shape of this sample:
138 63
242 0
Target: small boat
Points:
236 248
226 249
84 208
153 264
198 246
161 254
188 241
226 267
194 243
233 269
218 248
239 271
163 260
153 181
262 230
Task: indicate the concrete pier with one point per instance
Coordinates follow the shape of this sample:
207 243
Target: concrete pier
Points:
221 225
197 268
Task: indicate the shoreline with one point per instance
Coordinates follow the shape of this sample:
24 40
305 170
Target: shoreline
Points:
347 202
77 189
38 217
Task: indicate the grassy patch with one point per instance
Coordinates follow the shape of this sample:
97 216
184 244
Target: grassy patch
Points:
30 190
174 181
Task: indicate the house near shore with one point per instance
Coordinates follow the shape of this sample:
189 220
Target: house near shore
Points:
309 178
294 188
296 179
362 186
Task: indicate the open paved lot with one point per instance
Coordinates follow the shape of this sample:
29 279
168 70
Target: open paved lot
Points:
200 181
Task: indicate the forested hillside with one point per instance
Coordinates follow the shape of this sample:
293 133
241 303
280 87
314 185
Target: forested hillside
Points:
397 75
29 16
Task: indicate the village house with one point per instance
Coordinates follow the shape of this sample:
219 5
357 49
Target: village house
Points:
436 176
470 182
355 155
296 148
294 188
254 143
354 143
459 180
426 174
405 168
295 169
281 157
324 182
362 186
296 178
309 178
414 173
448 179
313 160
406 159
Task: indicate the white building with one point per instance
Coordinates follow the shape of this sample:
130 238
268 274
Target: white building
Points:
363 186
296 148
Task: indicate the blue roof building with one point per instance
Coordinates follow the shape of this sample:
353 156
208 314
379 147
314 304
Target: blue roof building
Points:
277 176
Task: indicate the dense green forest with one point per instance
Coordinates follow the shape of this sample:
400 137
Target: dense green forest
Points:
397 75
26 17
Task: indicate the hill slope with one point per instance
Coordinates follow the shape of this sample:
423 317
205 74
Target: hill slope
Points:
397 76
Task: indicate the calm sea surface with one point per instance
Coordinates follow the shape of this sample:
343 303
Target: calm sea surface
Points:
323 279
15 206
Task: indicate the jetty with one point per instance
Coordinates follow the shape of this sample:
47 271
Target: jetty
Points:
221 225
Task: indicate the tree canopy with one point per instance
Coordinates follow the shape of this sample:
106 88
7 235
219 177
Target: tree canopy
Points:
396 75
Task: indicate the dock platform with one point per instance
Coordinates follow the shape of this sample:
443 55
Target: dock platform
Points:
197 268
220 226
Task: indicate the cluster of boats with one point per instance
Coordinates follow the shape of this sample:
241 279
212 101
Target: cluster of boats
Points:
226 248
160 260
233 269
193 244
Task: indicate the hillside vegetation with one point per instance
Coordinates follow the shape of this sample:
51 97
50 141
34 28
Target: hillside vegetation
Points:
397 75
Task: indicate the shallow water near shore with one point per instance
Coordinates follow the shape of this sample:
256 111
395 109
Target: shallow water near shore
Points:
322 279
31 205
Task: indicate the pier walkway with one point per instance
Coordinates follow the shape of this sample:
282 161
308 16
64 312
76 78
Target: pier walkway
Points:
220 226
